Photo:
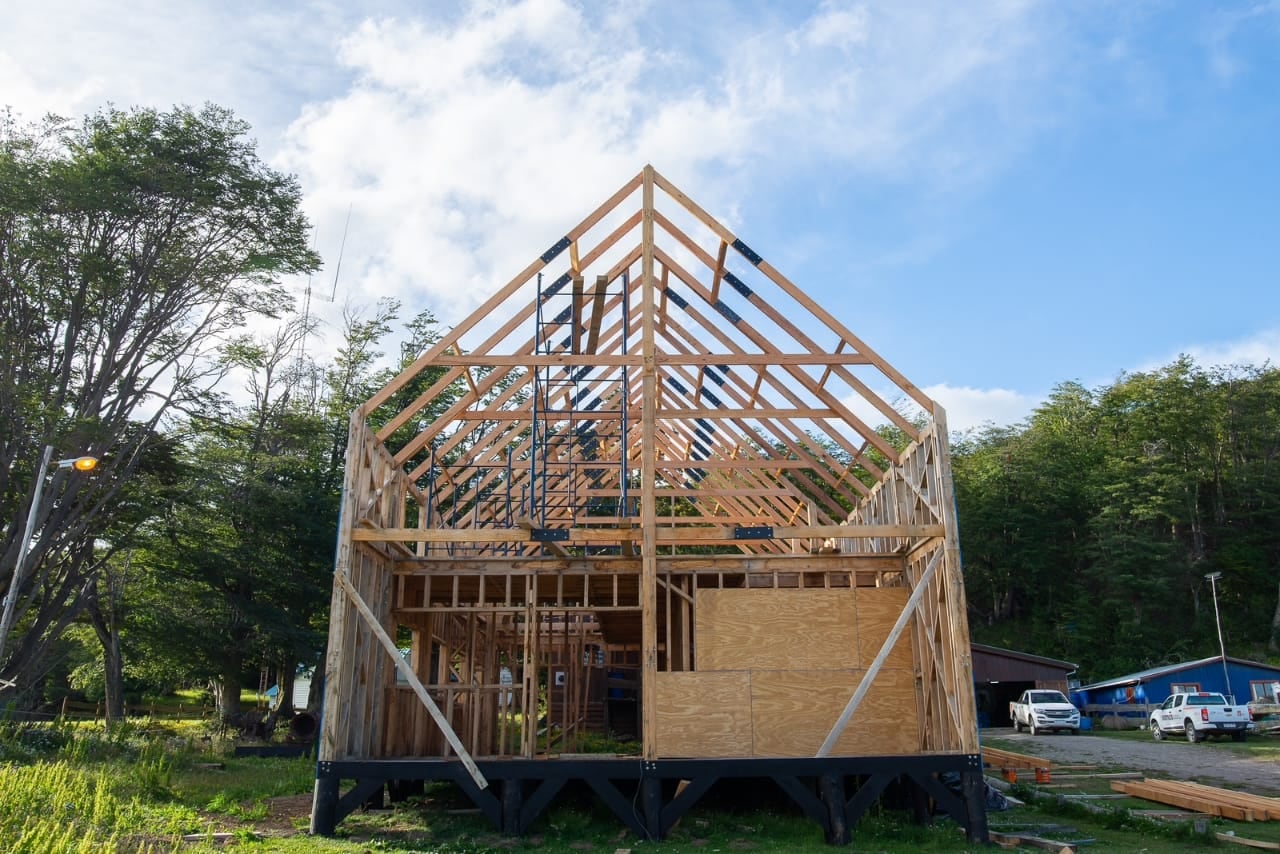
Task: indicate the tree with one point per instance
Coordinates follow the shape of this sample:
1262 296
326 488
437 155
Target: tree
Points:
130 244
1100 516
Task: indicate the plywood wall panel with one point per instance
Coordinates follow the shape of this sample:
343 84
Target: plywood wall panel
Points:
792 712
878 609
703 714
776 629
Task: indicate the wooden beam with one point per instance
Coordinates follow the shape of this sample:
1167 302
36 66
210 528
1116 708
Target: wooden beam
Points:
412 678
573 359
648 474
697 532
597 312
575 337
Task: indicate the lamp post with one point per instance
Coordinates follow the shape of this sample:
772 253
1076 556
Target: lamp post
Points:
85 464
1226 677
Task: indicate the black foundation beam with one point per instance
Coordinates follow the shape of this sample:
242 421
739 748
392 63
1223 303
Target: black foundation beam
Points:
521 789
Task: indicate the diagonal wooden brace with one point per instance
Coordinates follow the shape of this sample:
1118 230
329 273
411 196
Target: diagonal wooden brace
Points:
407 672
908 611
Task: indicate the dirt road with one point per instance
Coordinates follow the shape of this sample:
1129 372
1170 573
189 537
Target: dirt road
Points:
1210 762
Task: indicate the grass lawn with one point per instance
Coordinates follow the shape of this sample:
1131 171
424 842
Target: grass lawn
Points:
141 788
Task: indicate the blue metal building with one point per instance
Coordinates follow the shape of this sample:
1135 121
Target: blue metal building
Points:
1136 693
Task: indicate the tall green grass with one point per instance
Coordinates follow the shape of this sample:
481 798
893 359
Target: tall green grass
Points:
55 807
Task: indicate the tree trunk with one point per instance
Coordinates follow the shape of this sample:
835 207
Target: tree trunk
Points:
1273 643
113 671
227 691
284 707
106 627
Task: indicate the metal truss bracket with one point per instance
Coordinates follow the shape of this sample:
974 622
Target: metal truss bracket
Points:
756 532
549 535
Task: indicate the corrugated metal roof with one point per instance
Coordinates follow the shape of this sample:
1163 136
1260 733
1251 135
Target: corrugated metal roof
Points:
1166 669
1023 656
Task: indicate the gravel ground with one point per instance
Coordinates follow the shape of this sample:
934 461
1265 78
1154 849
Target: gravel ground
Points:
1209 762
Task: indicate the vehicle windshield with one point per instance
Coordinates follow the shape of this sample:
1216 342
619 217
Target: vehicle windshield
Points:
1206 700
1046 697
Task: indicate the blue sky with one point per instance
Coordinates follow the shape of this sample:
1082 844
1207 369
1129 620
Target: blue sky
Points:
996 196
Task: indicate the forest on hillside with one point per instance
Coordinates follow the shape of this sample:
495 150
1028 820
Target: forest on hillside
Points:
139 249
1087 531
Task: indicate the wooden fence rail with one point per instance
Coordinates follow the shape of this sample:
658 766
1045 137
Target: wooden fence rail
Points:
72 710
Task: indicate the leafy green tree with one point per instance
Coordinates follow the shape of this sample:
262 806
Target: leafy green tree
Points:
1099 517
129 245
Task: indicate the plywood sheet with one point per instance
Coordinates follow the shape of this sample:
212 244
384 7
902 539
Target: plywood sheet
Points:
878 609
703 714
776 629
792 712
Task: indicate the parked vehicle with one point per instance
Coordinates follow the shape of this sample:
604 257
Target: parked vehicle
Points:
1039 710
1198 716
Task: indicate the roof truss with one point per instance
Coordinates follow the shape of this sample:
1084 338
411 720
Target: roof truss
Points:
649 355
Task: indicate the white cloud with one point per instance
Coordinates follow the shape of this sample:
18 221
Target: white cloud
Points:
467 145
466 141
968 407
1255 350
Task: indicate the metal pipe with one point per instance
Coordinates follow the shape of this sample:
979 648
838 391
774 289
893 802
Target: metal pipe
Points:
1226 676
20 565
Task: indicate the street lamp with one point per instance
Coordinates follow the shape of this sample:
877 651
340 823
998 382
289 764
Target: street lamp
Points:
1226 677
82 464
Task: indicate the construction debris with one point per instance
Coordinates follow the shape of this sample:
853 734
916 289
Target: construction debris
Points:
1018 840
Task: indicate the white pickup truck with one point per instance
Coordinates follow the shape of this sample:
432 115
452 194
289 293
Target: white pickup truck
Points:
1039 710
1198 716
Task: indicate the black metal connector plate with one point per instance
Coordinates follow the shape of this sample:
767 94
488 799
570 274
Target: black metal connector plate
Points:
559 246
746 252
729 314
756 532
737 284
549 535
555 287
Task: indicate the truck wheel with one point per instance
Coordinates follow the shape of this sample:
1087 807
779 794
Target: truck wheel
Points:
1190 729
1031 725
1017 725
1156 732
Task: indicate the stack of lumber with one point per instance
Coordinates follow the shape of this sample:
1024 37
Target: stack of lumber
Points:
996 758
1238 806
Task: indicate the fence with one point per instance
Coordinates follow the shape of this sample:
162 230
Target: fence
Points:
152 711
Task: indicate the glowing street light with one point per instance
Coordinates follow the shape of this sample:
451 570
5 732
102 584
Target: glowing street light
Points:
81 464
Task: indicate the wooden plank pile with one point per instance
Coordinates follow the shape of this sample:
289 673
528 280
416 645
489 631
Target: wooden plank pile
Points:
1238 806
993 757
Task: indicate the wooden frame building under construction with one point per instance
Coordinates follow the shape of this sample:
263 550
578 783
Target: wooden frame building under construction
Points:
640 490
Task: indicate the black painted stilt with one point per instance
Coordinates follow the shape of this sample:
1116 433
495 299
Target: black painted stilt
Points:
831 789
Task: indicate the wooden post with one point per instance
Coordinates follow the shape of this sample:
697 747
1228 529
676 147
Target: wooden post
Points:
831 789
333 740
648 466
961 687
